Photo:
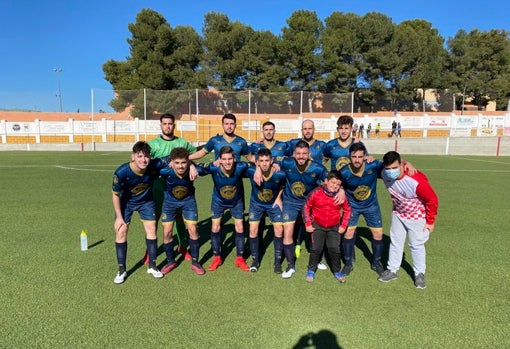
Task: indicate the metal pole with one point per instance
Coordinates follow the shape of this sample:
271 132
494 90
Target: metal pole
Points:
145 113
249 115
59 93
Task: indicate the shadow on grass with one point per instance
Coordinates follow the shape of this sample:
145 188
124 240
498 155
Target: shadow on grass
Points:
96 243
324 339
364 238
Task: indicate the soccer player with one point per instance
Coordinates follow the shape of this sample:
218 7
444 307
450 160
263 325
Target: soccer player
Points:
414 213
237 143
359 180
278 148
316 146
132 191
227 194
265 198
302 176
179 196
326 220
337 150
160 147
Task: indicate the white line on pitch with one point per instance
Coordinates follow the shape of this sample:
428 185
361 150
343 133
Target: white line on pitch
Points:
481 160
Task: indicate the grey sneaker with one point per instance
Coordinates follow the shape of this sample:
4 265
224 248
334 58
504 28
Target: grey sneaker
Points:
387 276
377 267
346 270
419 281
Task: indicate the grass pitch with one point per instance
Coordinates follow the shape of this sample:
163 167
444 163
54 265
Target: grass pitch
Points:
55 296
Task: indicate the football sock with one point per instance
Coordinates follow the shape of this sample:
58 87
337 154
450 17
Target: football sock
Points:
121 249
288 250
194 248
216 243
377 250
169 251
239 244
254 248
278 249
348 250
152 248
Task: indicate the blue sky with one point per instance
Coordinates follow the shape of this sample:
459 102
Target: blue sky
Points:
79 36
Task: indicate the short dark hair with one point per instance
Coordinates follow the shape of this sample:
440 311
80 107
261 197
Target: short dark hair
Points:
179 153
143 147
390 157
167 116
357 147
264 152
270 123
344 120
229 116
302 144
334 174
227 149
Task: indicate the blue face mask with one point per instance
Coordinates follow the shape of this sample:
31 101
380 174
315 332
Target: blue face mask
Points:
393 173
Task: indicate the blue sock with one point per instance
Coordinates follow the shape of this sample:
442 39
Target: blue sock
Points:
152 248
239 244
216 243
254 248
194 248
169 251
121 249
377 250
288 250
348 250
278 249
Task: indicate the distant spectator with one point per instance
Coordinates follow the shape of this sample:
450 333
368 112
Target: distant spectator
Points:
394 129
354 130
369 129
361 130
377 129
399 129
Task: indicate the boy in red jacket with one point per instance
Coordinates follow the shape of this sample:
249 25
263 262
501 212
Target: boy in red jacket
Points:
326 221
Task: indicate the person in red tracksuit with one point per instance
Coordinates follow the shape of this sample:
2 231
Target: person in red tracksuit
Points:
326 221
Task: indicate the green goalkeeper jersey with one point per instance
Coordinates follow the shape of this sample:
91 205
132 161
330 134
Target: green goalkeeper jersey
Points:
161 147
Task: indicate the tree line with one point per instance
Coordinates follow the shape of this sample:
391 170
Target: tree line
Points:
368 55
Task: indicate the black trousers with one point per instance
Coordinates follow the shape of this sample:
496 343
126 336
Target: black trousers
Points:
325 237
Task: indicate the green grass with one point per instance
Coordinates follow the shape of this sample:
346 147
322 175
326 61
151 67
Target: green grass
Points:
54 296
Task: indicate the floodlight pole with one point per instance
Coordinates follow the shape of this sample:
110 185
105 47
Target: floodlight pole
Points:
59 94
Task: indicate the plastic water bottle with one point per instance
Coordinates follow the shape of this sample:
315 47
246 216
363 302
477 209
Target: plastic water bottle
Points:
84 240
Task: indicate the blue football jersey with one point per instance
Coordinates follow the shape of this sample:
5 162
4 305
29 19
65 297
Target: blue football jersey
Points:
316 148
217 142
361 188
268 190
300 183
137 188
338 154
227 188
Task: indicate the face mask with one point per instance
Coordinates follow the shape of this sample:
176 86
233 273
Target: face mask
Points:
393 173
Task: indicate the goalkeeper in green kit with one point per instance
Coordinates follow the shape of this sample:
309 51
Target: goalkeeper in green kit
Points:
160 147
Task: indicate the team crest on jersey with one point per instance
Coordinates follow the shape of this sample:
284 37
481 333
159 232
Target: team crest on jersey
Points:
115 179
362 192
140 188
228 192
286 217
265 195
298 188
180 192
342 162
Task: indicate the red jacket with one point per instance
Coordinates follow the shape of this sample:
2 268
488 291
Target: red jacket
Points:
320 208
